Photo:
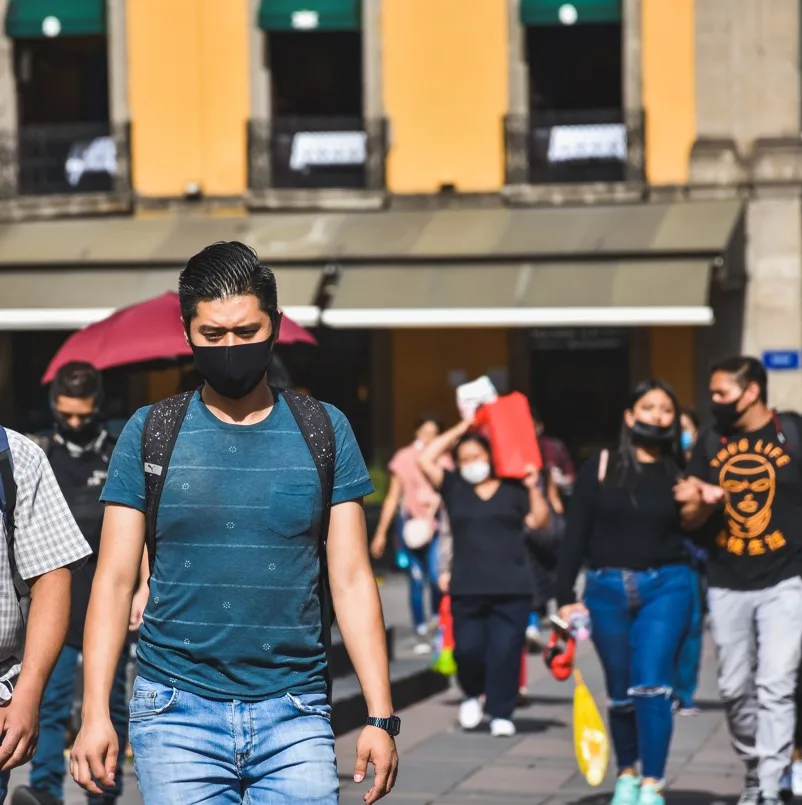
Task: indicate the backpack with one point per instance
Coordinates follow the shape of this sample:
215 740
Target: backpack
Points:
8 502
788 434
159 436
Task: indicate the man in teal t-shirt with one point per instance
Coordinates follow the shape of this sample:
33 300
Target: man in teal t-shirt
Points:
230 702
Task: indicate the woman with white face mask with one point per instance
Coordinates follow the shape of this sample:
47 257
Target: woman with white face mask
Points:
490 583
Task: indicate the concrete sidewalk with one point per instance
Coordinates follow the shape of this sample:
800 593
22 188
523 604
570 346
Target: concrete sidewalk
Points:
442 766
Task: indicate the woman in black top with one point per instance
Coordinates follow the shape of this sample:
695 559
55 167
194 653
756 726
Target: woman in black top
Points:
491 583
624 526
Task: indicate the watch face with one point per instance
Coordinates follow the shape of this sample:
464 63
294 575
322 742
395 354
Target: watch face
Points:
394 724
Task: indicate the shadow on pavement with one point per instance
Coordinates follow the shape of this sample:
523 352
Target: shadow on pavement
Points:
675 795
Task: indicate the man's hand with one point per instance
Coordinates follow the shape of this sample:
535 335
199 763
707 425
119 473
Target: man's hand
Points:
138 605
377 747
687 490
94 755
19 727
569 610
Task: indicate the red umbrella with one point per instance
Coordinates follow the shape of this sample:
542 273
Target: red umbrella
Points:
148 331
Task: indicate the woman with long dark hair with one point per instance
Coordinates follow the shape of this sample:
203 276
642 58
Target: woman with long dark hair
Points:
490 583
624 527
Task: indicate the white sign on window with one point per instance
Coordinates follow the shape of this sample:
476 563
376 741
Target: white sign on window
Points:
603 141
310 148
305 20
97 156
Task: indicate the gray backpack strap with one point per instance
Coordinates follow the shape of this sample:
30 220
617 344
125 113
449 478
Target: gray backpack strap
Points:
315 425
159 435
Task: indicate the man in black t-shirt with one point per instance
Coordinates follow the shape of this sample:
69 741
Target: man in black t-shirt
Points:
753 520
78 450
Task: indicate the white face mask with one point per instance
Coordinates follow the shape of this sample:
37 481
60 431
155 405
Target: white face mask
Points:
476 472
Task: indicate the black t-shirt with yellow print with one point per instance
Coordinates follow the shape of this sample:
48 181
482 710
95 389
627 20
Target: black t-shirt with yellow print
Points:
757 538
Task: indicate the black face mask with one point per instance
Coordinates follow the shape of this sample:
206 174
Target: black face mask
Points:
80 436
234 371
646 435
726 415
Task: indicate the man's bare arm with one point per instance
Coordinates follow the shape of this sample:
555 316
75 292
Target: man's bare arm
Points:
122 544
47 628
48 619
356 601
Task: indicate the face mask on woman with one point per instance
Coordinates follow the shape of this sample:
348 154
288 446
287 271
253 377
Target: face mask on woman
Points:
647 435
476 472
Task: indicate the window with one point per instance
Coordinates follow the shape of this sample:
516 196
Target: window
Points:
578 130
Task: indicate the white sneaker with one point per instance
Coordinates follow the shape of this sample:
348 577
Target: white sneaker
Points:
471 714
422 648
796 778
502 728
422 630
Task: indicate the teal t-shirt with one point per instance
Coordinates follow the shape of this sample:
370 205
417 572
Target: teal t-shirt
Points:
234 612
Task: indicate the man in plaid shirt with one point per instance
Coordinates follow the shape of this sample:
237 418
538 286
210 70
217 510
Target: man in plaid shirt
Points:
47 546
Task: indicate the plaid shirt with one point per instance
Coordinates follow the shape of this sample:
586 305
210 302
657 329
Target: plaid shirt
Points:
46 538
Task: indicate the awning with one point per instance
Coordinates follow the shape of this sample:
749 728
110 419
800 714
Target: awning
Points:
32 19
569 12
310 15
569 294
682 230
68 299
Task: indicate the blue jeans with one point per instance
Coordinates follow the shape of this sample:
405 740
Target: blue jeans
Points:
423 572
190 750
690 652
48 766
639 620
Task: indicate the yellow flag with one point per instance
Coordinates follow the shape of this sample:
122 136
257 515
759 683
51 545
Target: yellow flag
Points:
591 743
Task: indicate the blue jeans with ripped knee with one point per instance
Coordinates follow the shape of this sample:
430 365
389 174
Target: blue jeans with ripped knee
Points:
639 620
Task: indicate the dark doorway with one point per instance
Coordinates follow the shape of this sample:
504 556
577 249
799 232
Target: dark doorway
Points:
580 385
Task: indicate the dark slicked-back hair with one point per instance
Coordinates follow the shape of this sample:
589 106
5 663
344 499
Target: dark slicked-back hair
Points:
745 369
221 271
77 379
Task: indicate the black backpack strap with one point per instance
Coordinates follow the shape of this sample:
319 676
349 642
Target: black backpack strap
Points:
790 424
8 502
315 425
159 435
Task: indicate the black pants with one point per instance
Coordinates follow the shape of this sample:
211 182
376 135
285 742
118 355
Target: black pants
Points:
489 638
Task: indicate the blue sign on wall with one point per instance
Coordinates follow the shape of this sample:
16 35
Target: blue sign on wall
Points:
782 360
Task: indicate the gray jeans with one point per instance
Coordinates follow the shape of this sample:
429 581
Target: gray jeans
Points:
758 638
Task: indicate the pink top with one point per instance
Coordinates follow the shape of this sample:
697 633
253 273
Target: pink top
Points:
418 499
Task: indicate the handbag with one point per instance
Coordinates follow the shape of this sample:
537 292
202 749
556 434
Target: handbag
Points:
418 532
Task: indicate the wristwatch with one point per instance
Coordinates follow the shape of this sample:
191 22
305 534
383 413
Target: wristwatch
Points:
391 725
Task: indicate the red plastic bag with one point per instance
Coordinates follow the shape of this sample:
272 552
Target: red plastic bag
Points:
508 425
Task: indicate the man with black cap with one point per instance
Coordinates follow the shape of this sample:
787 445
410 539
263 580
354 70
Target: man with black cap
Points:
79 450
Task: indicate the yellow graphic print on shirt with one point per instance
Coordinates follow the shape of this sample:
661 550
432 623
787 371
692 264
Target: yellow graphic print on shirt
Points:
748 474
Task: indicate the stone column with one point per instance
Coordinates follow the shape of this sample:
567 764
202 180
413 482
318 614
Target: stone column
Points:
259 124
632 88
119 111
516 124
747 89
8 112
372 94
773 317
